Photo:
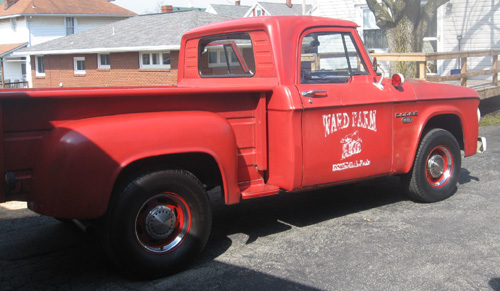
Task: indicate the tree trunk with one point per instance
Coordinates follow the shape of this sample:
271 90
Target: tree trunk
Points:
402 39
404 24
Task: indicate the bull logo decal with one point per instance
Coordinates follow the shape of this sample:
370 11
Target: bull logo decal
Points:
351 145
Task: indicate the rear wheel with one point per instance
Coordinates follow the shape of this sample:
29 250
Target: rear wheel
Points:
158 223
436 168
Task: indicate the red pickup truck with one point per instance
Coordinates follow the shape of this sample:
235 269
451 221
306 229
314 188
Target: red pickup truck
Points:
263 106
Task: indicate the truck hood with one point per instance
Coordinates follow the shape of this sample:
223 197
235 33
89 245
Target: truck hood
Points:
430 91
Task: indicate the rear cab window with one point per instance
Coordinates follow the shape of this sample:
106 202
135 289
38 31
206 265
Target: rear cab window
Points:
229 55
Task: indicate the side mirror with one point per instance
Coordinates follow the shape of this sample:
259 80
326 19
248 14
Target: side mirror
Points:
375 65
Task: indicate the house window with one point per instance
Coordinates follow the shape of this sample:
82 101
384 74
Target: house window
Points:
13 24
103 61
79 63
40 66
23 71
70 25
430 43
217 58
166 59
372 35
156 60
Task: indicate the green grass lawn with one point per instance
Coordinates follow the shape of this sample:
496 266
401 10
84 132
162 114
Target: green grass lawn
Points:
490 119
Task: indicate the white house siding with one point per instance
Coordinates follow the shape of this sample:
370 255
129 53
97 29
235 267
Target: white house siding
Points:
8 35
338 9
46 28
478 22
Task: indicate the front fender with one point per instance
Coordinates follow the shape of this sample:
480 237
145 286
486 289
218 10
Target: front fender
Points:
81 160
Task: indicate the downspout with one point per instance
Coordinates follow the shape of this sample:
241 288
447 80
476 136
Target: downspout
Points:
29 72
28 21
1 70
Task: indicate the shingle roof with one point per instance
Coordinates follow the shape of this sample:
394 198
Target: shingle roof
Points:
6 49
233 11
83 7
282 9
139 32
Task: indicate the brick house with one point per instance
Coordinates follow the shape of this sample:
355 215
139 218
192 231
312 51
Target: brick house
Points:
138 51
31 22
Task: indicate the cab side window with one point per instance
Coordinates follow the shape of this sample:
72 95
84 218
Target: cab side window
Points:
329 58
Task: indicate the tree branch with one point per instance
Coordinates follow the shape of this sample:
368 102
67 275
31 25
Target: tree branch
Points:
382 15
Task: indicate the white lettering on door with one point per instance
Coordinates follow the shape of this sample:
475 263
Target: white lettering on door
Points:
357 119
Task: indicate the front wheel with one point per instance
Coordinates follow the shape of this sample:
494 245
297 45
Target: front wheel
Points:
158 223
436 168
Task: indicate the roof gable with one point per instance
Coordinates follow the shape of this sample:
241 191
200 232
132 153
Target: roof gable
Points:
282 8
65 7
277 9
233 11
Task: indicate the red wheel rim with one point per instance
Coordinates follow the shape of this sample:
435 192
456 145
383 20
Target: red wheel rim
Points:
162 223
439 166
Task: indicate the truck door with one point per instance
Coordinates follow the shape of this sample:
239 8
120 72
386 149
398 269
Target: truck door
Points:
346 122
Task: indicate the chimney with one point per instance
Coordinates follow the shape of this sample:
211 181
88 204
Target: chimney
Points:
167 8
237 3
289 3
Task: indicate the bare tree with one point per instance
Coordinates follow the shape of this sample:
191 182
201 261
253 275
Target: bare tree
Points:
404 23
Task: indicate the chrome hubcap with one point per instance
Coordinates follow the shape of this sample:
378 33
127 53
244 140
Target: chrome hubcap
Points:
435 166
160 222
439 166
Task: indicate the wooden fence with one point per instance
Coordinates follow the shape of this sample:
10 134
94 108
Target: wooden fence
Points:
422 58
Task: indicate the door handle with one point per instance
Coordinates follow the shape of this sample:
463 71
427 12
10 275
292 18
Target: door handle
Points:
314 93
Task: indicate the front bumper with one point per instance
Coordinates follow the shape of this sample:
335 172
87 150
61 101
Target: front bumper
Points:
481 144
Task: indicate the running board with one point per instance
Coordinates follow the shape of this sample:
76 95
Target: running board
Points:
260 190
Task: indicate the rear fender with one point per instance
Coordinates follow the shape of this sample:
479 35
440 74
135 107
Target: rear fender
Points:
80 161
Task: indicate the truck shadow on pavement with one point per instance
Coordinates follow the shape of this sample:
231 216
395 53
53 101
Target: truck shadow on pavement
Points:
266 216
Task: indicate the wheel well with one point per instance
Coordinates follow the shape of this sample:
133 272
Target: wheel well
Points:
201 165
449 122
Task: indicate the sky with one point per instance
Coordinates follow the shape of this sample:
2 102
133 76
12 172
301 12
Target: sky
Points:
152 6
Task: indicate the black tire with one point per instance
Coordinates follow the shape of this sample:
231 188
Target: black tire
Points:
158 223
436 168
